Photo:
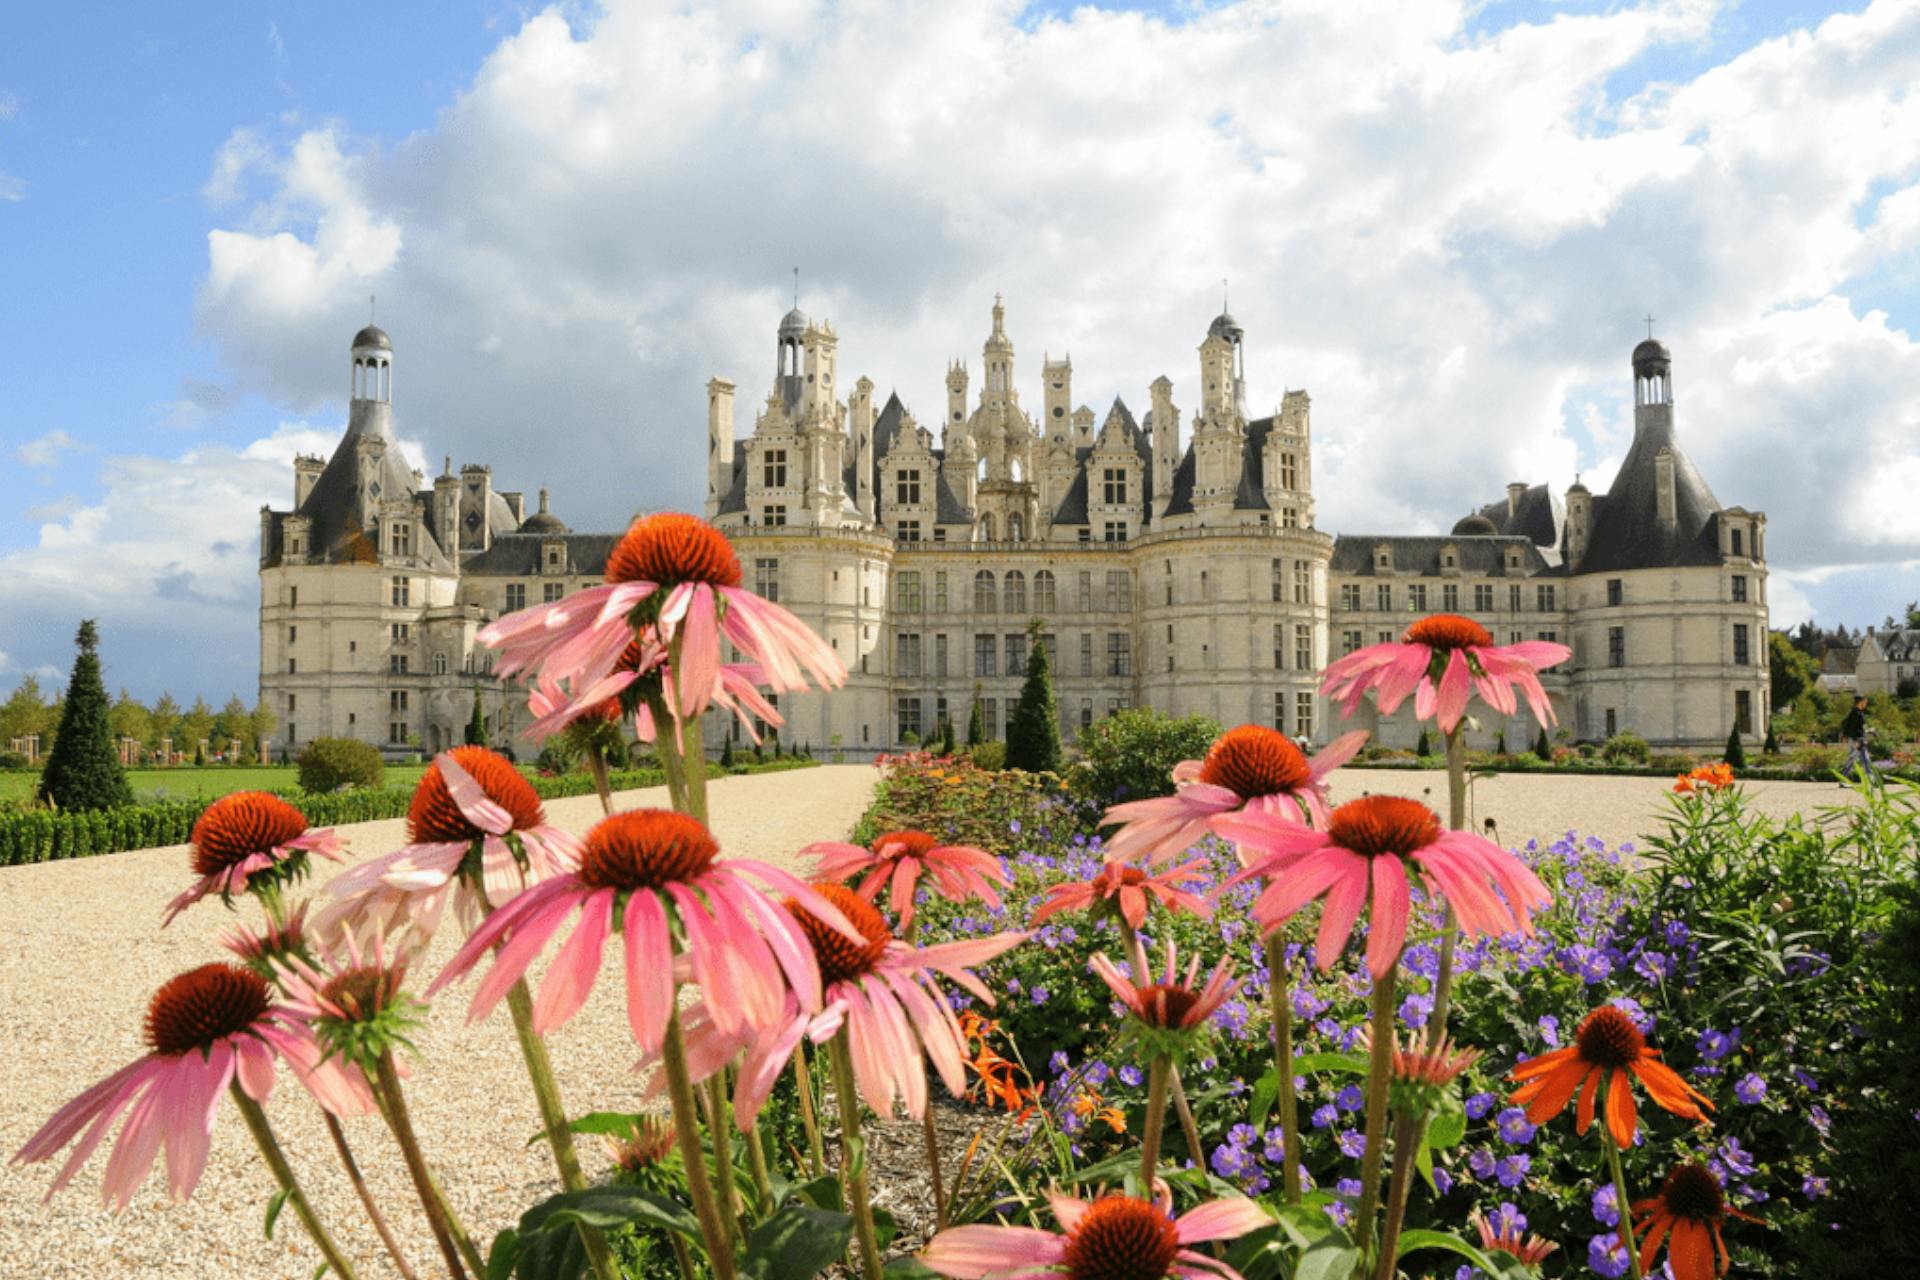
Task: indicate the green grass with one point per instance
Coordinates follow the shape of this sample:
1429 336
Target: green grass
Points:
188 783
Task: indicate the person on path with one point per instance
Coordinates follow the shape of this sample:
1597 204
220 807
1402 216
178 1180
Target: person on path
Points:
1854 730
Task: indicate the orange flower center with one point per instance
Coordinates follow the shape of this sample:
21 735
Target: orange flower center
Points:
246 822
651 1142
198 1008
1448 631
899 844
629 660
1376 825
1254 761
1121 1238
646 849
363 993
433 817
1167 1004
839 959
1126 876
672 548
1691 1191
1608 1038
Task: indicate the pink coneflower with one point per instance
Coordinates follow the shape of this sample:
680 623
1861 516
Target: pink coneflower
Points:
207 1028
1418 1063
1511 1239
250 837
1370 848
737 689
1173 1003
881 989
900 859
475 827
675 577
1443 660
1116 1236
1252 768
657 868
1129 891
282 941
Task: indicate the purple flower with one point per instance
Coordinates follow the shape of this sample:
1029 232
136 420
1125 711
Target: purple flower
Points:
1813 1188
1550 1030
1806 1080
1041 995
1738 1162
1607 1256
1350 1098
1058 1062
1715 1045
1750 1089
1324 1115
1349 1186
1479 1104
1130 1076
1513 1126
1512 1170
1507 1220
1606 1207
1353 1143
1098 1073
1818 1118
1442 1181
1415 1010
1481 1163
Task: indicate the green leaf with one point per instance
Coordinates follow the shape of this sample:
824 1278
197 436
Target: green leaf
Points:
1447 1126
613 1124
606 1208
1327 1259
908 1268
1414 1241
504 1254
797 1243
274 1206
1266 1092
1333 1063
885 1227
822 1193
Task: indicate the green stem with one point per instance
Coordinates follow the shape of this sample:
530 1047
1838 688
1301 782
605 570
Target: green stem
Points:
853 1165
393 1109
597 765
360 1189
686 1131
1188 1129
1621 1202
809 1118
757 1166
1280 1000
720 1129
1157 1072
1450 928
666 744
1407 1131
933 1164
694 759
283 1176
1378 1080
553 1119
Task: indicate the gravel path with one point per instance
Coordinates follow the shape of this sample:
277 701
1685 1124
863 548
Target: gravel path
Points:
84 951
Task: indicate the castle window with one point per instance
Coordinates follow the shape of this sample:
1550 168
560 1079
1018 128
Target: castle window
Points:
1303 714
1016 655
1289 471
1551 637
1349 641
1450 597
906 488
402 593
1302 647
1043 592
1616 654
553 557
909 718
774 517
940 591
1015 593
439 664
1016 526
906 593
983 593
1739 547
1742 654
293 546
1086 653
1350 597
293 633
397 731
939 534
1086 713
1543 597
907 655
396 664
1302 582
1289 518
773 469
396 701
1513 597
1280 711
552 591
1119 653
399 632
1119 590
516 596
1743 710
909 531
1483 597
1383 597
1116 531
1613 723
293 667
401 539
1086 591
1739 588
1279 646
1416 597
983 656
1113 486
990 717
293 597
1616 591
1086 534
940 658
1279 580
766 578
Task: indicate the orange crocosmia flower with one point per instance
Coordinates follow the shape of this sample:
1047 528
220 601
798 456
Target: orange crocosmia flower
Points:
1708 777
1606 1050
1688 1214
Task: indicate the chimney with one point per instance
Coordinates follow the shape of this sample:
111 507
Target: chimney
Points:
1515 491
1666 506
543 502
306 473
719 442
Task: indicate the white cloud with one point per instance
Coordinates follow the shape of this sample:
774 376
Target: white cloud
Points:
12 189
47 450
9 107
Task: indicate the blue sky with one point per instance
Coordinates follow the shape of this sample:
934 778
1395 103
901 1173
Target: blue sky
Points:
573 221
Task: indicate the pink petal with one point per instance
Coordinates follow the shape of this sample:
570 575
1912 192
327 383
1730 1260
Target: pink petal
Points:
1336 753
1337 915
471 798
649 957
992 1253
570 978
1222 1219
1387 932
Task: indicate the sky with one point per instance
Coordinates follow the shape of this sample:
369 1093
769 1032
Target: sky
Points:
1445 220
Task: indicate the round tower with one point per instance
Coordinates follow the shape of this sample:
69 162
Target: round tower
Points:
370 411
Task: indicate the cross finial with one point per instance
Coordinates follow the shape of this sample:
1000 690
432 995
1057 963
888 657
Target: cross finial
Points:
1223 295
1649 320
371 300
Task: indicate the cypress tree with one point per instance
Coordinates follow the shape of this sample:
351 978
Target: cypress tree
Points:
1500 747
1033 736
1541 747
726 755
83 771
1424 747
976 721
476 724
1736 754
1771 746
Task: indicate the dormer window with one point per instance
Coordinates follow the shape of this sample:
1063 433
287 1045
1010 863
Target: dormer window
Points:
400 539
1739 539
773 469
555 557
1113 486
906 488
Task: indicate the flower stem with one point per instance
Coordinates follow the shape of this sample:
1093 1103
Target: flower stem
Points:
1378 1080
1407 1131
853 1167
1280 1001
809 1119
360 1188
1450 928
1188 1129
597 765
933 1164
553 1118
686 1130
1621 1202
283 1175
693 757
393 1108
720 1129
1157 1072
666 744
757 1166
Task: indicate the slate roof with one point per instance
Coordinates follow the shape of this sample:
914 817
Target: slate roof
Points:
1538 515
1627 532
518 555
1900 645
1420 554
1251 495
340 527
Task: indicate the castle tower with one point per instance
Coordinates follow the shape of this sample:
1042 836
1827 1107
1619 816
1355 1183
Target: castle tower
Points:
956 392
1058 375
370 408
998 352
1166 442
719 442
860 423
818 345
789 382
1653 389
1223 370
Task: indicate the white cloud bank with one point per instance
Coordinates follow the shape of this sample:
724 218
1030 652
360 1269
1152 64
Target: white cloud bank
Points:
1446 239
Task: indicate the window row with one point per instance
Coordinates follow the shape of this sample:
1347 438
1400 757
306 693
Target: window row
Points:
912 715
1419 597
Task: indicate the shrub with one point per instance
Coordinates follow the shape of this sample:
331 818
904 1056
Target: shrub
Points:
1771 746
329 764
1424 747
1033 735
1817 759
726 755
1541 747
13 760
991 756
976 721
1130 755
1736 753
83 771
1500 746
476 735
1626 747
1671 761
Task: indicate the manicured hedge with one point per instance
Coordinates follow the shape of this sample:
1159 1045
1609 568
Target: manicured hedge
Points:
44 836
1753 773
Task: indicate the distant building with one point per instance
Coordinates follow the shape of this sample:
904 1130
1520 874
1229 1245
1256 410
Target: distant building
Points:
1837 673
1888 661
1179 570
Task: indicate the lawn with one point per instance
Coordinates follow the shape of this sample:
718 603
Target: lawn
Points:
187 783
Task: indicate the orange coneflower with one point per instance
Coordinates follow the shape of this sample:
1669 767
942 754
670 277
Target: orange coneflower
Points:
1691 1206
1607 1047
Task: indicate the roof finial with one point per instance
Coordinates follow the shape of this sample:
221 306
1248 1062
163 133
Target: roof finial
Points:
796 288
1649 328
372 301
1223 295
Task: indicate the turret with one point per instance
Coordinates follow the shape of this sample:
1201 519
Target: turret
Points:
719 442
956 393
446 507
860 423
1579 524
370 409
818 345
1058 375
306 473
1166 442
1223 368
1653 390
998 352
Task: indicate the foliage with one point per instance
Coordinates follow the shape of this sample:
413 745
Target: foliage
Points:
83 770
976 721
991 756
1033 734
329 764
1424 747
1130 755
1626 746
1736 752
1791 670
476 735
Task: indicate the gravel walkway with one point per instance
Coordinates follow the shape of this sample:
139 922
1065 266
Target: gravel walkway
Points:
84 951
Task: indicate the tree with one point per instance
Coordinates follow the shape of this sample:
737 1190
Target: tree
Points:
231 727
1771 747
1033 735
976 721
1791 668
726 755
1541 747
26 712
261 724
1424 747
1736 754
196 724
83 772
477 724
166 721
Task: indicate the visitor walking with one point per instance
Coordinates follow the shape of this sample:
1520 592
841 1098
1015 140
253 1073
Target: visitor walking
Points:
1854 730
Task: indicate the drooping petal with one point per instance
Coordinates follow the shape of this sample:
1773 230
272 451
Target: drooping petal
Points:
1223 1219
992 1253
1387 925
571 977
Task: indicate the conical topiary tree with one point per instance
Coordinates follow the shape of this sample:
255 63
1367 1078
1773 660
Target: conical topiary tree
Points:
1736 754
976 721
83 771
1771 746
1541 747
477 724
1033 735
1423 747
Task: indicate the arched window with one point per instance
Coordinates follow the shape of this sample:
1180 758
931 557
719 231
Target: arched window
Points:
986 527
1016 587
1016 528
983 601
1043 593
